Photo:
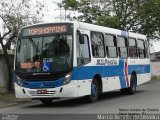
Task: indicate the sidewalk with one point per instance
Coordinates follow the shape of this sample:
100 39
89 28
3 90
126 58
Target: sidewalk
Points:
10 99
7 99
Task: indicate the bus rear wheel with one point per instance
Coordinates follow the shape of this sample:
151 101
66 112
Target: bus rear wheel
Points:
133 86
94 92
46 101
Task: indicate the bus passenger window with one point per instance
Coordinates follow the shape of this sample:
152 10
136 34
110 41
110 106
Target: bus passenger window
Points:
111 52
97 44
122 52
122 47
132 48
141 48
111 45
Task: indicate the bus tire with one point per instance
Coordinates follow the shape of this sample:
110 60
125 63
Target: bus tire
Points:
46 101
93 97
133 85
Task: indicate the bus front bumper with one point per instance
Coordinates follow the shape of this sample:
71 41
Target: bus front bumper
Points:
69 90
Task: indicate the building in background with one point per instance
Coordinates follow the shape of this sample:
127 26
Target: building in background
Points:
155 56
155 51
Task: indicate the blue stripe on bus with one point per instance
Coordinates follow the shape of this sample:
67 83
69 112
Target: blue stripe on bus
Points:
88 72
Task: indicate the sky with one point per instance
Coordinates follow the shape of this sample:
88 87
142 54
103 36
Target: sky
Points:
52 13
155 47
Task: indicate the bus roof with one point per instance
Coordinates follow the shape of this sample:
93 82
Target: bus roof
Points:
108 30
36 24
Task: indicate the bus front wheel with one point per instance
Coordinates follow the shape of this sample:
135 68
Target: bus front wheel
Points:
94 92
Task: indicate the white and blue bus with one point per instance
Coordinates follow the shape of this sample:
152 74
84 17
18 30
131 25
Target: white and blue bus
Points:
74 59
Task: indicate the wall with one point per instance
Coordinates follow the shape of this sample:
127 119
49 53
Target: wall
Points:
155 68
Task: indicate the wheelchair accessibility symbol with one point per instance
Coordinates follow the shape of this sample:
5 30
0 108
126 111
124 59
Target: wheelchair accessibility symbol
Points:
46 67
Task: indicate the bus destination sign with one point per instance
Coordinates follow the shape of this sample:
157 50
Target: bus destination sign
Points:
44 30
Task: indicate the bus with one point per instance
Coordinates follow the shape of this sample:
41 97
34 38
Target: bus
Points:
73 59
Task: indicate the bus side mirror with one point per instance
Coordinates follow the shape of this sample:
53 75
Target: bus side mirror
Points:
81 39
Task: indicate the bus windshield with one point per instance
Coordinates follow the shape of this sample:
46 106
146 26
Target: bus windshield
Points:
44 54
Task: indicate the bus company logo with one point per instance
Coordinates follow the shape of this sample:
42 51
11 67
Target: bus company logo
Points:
106 62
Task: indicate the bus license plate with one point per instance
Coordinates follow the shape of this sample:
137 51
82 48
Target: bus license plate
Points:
42 91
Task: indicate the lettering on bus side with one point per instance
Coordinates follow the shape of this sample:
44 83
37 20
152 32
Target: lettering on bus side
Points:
106 62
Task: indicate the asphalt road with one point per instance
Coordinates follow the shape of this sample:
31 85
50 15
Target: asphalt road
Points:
146 99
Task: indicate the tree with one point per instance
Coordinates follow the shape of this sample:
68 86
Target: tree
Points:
150 13
120 14
135 15
89 10
14 15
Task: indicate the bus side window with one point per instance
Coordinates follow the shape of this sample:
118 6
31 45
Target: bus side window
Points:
132 48
111 46
122 47
97 45
141 48
83 51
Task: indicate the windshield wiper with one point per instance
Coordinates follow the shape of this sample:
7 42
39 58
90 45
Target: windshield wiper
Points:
34 44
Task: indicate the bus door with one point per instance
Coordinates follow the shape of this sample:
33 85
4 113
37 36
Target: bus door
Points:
83 58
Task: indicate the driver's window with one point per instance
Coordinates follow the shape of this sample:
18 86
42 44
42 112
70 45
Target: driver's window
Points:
83 51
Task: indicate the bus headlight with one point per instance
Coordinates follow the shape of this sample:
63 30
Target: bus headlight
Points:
19 81
67 79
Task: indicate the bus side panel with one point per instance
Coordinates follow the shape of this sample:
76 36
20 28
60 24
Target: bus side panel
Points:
142 78
84 87
142 69
83 79
111 83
